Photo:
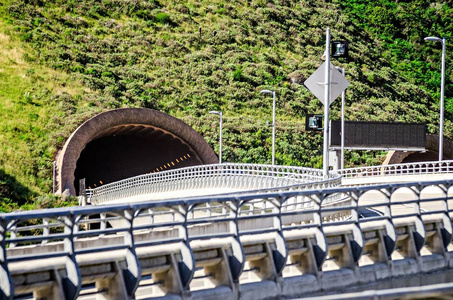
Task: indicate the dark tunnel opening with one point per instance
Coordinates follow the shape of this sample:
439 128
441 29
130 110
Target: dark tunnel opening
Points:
420 157
122 155
423 156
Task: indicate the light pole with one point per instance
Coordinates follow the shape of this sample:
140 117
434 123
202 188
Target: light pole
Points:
342 121
273 122
441 122
220 139
54 172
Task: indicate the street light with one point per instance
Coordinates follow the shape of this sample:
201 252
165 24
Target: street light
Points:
441 122
54 173
325 151
273 122
220 140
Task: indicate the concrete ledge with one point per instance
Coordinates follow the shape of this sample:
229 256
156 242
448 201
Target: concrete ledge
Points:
222 292
300 285
338 279
259 290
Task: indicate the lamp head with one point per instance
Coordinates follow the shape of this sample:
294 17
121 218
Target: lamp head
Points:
432 38
266 92
214 112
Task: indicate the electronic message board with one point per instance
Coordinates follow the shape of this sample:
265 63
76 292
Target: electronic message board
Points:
379 135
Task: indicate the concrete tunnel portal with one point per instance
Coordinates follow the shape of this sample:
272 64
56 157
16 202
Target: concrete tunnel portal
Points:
127 142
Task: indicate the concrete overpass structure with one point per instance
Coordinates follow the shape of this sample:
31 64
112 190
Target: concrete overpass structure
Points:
295 238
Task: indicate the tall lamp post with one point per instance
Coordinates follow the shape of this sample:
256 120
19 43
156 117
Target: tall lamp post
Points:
220 139
273 122
325 163
441 122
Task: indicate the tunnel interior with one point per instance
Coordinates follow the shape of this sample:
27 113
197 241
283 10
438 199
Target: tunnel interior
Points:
130 150
420 157
423 156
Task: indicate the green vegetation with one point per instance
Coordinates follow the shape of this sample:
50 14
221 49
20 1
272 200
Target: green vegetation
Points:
62 61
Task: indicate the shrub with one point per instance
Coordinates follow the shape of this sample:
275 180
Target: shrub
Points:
237 74
162 18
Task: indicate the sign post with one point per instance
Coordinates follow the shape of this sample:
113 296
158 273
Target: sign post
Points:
327 84
342 123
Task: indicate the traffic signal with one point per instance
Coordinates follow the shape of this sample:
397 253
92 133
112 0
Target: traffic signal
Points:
313 122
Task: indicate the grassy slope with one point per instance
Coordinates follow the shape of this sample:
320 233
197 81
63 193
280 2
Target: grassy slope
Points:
35 104
64 61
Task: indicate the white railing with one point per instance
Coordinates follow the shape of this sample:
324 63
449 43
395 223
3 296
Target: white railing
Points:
229 177
418 168
225 178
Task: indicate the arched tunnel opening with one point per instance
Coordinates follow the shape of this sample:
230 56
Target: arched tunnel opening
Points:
131 150
124 143
430 154
421 157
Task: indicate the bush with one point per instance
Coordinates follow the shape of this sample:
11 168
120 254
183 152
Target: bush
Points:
162 18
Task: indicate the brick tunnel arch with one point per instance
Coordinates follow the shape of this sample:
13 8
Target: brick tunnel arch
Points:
126 142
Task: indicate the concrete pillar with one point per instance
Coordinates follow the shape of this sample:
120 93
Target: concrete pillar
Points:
334 159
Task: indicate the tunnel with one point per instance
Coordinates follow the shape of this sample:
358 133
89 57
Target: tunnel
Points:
127 142
430 154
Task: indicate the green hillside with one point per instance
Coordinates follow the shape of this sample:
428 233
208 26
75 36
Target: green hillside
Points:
64 61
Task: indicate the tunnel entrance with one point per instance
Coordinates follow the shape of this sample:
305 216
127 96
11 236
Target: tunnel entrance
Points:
123 143
431 153
421 157
129 151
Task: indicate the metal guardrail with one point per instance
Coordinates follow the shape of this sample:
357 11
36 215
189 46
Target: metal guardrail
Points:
418 168
238 177
27 236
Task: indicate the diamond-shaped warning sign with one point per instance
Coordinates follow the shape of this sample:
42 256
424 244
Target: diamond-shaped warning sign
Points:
316 83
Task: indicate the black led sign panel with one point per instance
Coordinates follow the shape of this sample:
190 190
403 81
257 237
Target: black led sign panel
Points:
378 135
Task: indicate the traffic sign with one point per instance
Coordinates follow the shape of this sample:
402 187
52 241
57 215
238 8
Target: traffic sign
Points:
316 83
339 48
313 122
